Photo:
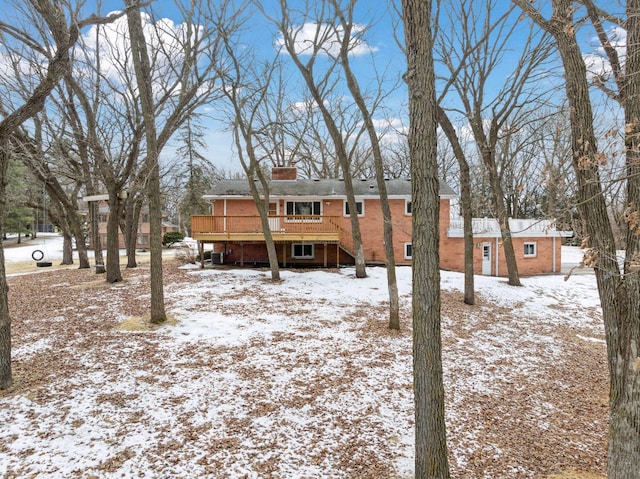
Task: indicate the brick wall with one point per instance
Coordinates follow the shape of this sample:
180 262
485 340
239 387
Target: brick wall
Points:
452 255
451 249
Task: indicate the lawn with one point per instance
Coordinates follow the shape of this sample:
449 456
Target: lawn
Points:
296 379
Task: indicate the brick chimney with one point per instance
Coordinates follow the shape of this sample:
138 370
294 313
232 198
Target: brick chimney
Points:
284 173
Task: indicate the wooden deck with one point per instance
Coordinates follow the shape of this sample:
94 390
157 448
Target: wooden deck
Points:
323 229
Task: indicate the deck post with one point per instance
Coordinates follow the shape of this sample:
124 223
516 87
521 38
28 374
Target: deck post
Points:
337 255
325 246
241 254
284 255
201 253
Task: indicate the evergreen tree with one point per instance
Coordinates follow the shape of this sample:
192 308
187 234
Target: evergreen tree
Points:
195 174
19 215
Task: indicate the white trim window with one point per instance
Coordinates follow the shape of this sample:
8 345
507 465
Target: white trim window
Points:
304 208
530 249
359 207
408 251
302 251
313 209
408 207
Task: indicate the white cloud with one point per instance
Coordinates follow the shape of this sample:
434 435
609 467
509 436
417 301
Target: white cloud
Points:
391 131
597 63
327 38
110 44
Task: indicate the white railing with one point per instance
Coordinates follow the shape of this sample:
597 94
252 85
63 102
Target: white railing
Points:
519 227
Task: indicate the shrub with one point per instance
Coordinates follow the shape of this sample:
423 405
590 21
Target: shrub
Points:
187 255
171 237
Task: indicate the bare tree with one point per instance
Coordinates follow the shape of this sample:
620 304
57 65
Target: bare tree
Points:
142 68
472 68
40 145
61 186
431 445
345 33
107 129
619 289
558 197
319 86
247 89
465 201
316 157
64 37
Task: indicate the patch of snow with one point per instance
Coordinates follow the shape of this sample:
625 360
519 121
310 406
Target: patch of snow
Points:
244 353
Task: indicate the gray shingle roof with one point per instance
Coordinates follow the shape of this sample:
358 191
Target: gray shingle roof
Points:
319 188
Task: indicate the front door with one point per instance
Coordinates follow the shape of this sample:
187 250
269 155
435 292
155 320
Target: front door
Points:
486 259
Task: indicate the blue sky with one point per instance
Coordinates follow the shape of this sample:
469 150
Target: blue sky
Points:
382 52
261 37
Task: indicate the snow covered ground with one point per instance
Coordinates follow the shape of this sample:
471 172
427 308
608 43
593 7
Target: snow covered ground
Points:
49 244
297 379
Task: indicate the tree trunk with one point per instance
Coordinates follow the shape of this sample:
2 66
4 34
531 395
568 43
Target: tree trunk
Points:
624 424
621 316
58 65
95 234
81 243
67 248
340 151
252 170
619 294
361 271
6 378
271 247
114 273
500 209
158 313
465 200
387 223
143 76
467 220
430 433
129 229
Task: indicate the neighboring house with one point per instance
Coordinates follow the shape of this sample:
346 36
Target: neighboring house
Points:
310 224
144 226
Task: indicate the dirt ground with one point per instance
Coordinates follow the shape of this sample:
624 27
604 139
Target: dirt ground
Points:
571 445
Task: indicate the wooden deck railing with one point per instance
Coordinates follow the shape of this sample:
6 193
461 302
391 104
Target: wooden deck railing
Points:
286 224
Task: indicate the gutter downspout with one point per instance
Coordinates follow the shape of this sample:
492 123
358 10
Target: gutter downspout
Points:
497 255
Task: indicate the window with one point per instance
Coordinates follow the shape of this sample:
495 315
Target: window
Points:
304 208
359 207
102 218
530 250
408 251
408 208
301 250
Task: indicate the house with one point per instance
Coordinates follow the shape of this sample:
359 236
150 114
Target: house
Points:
144 225
310 224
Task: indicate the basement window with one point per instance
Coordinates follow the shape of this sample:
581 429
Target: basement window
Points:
302 250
